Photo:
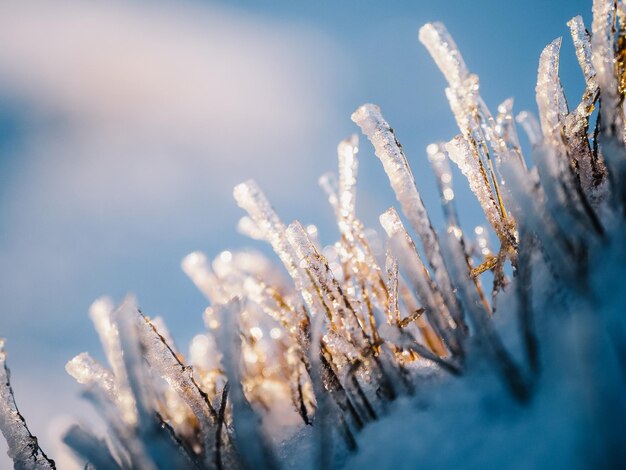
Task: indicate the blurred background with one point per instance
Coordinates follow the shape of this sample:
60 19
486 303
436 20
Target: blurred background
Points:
125 125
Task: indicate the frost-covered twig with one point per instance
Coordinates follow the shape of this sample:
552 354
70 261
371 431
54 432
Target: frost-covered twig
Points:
334 338
23 446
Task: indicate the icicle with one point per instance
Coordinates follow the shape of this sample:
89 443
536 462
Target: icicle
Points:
197 267
232 268
179 377
271 302
252 444
23 446
438 160
91 448
87 371
101 313
611 109
250 198
445 53
436 311
505 125
348 165
472 115
531 127
582 45
134 370
603 60
390 153
392 311
553 163
561 129
358 263
246 226
550 97
328 182
337 304
590 170
561 177
156 444
163 330
461 154
560 195
128 449
531 209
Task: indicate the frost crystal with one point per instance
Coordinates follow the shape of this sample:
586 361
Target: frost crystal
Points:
461 154
390 153
351 326
23 446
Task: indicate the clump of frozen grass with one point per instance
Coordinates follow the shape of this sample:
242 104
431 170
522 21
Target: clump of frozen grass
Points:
343 358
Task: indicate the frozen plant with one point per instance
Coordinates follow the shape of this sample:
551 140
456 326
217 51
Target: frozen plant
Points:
342 358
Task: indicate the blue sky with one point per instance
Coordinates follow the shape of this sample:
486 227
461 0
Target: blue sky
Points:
123 128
